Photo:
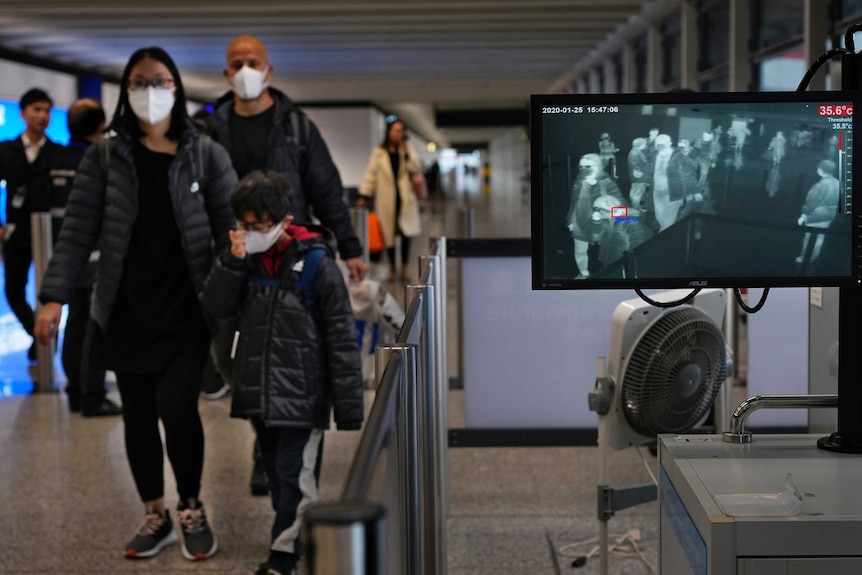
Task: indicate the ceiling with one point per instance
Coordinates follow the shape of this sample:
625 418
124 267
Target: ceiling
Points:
409 57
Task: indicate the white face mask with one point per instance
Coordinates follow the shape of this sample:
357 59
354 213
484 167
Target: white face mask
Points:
259 242
248 83
152 105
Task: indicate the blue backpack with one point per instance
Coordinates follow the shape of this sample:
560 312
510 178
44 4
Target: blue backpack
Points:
305 283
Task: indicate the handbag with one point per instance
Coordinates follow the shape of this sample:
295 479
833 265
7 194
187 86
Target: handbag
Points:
375 235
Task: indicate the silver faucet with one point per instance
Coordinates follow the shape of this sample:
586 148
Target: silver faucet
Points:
737 433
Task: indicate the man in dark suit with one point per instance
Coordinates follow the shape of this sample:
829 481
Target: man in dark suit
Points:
25 164
85 386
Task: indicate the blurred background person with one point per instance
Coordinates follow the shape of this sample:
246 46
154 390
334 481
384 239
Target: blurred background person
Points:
85 385
25 163
387 180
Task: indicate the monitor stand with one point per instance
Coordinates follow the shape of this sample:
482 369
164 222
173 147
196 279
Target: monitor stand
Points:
848 438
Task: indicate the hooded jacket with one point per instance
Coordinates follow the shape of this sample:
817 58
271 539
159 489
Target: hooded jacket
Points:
293 364
298 153
103 206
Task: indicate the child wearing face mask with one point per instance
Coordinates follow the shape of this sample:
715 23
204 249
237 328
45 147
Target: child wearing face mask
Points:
296 357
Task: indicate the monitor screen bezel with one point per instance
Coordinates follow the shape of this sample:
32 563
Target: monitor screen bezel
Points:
538 101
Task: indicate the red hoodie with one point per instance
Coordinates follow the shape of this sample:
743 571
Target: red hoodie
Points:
272 257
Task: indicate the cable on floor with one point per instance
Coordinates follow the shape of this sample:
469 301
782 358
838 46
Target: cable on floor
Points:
624 545
646 465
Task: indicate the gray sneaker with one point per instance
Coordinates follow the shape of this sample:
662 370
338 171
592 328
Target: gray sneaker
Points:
156 532
199 542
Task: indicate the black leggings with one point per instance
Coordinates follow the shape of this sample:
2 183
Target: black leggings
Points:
405 251
171 396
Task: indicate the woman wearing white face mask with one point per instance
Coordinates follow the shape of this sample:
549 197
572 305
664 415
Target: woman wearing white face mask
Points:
155 201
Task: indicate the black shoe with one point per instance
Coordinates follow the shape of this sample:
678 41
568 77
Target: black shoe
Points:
105 409
259 485
215 392
279 563
198 539
155 533
266 569
74 404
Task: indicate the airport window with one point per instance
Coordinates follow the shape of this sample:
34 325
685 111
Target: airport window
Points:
782 72
618 66
640 47
777 22
671 49
714 33
717 84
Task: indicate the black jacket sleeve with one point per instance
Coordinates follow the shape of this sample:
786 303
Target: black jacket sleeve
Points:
80 231
323 188
222 180
222 291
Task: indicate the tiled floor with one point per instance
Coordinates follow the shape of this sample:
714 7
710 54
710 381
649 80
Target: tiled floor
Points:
68 503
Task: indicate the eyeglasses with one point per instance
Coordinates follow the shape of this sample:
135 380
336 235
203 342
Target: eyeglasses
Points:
157 82
262 227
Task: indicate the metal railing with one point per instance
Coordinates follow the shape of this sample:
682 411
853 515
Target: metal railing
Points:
391 516
43 242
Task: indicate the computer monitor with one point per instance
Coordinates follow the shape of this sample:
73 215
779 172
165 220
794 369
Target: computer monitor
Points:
693 189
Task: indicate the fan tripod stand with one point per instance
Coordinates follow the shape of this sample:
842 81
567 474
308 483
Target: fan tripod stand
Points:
611 499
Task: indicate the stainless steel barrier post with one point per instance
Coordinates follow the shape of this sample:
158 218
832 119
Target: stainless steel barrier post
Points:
407 445
345 539
428 446
466 222
42 250
438 414
465 230
359 216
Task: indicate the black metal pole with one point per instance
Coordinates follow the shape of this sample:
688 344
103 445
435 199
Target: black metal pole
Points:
848 438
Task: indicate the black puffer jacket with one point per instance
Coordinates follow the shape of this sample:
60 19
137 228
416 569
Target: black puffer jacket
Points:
101 210
298 153
293 364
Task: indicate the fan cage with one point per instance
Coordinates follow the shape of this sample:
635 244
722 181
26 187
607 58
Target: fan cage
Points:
674 373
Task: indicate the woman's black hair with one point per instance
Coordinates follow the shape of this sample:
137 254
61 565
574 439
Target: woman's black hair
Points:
263 193
126 122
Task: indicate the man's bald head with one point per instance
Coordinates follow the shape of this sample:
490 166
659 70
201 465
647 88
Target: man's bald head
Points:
244 46
248 73
86 120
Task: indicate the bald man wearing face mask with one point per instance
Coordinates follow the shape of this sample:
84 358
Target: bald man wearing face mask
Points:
263 129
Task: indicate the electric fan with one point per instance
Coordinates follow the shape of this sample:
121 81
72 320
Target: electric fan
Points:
664 370
667 365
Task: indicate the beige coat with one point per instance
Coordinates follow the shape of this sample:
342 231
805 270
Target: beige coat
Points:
380 182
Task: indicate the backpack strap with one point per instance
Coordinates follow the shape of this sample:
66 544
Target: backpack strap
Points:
106 156
300 126
305 284
203 148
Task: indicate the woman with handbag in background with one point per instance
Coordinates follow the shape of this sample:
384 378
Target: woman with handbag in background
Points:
389 178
